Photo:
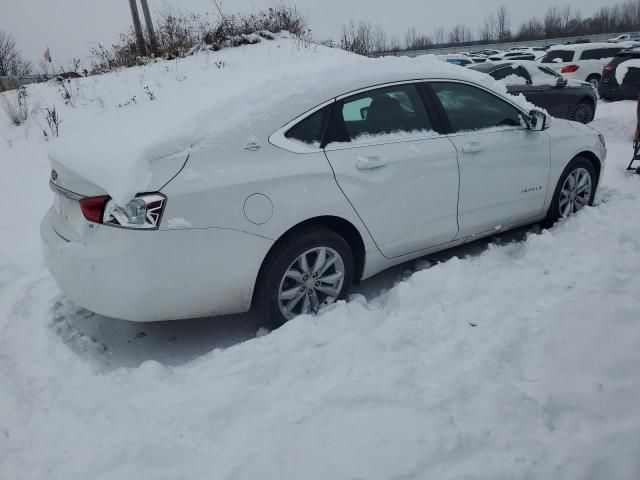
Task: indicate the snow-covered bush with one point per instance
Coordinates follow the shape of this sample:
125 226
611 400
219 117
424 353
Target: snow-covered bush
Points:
53 122
180 34
14 104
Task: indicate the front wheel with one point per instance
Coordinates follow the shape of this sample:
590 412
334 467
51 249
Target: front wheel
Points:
308 269
583 112
575 190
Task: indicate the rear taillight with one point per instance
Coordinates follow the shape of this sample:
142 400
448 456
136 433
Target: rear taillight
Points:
609 68
142 213
93 207
570 69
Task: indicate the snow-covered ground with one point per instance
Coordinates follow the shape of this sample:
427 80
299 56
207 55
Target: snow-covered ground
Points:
514 359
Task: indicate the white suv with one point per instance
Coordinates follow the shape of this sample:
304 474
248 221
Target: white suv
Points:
583 61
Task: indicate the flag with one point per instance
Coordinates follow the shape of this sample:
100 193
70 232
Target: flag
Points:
47 55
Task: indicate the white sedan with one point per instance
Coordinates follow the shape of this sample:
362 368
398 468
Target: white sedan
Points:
331 187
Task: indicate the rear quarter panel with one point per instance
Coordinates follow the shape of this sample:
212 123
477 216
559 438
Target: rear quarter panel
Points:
214 190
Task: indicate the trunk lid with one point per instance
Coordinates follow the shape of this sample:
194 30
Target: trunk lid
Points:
69 188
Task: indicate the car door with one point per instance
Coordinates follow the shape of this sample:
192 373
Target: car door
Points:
399 173
504 166
518 81
554 94
541 89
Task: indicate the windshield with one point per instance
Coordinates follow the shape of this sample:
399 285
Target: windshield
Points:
562 55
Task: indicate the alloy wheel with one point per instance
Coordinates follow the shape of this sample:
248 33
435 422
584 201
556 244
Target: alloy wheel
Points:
313 280
582 113
576 192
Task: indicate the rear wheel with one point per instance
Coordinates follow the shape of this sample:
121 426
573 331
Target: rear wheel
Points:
594 80
308 269
583 112
576 189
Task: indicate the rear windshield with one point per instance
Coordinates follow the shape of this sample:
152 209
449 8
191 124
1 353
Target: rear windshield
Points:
561 55
623 57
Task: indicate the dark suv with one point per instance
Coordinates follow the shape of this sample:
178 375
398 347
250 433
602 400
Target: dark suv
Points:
626 67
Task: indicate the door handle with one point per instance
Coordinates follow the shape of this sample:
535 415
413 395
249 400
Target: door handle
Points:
368 163
473 147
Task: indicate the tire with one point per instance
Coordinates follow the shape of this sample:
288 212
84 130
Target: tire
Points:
559 207
277 281
583 112
594 80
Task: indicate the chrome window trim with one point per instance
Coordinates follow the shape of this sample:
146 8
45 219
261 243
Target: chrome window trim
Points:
295 146
279 140
64 192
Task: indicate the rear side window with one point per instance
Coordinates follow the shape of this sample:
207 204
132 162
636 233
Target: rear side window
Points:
393 110
558 56
311 129
512 76
599 53
470 108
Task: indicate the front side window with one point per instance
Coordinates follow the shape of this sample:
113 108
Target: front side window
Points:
389 111
470 108
558 56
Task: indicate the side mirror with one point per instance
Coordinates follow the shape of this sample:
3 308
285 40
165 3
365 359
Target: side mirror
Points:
561 83
537 120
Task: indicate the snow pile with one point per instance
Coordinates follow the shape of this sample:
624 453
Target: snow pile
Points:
516 362
623 69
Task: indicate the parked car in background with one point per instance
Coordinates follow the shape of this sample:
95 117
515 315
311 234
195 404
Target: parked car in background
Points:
520 53
562 98
456 59
488 52
625 37
621 76
582 61
340 181
477 58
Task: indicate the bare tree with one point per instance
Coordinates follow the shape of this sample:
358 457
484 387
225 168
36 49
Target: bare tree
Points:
460 34
503 23
357 38
415 41
394 44
552 22
438 36
378 40
12 63
488 29
531 30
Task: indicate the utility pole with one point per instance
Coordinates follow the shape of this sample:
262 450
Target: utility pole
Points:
142 49
149 22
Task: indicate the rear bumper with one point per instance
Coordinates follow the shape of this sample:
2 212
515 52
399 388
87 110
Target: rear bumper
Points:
157 275
615 92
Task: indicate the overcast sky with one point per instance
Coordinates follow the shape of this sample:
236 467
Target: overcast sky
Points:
70 27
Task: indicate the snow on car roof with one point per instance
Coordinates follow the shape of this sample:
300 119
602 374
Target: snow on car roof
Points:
585 46
250 90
